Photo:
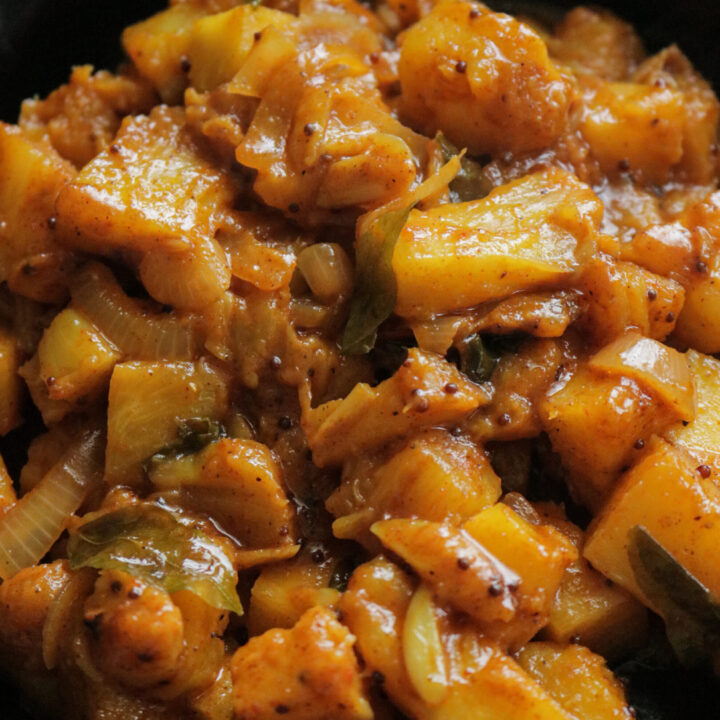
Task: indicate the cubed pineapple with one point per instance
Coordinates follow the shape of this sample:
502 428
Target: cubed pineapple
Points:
75 358
220 43
146 402
577 679
669 496
159 47
530 233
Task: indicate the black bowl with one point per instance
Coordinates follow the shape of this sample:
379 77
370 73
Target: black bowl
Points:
40 40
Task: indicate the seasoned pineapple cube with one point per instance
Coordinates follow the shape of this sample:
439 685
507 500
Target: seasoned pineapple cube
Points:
637 125
284 591
75 358
426 391
531 233
159 46
484 78
669 496
309 673
434 476
146 401
31 175
578 679
220 43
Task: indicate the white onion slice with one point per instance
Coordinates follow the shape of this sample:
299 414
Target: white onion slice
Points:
33 524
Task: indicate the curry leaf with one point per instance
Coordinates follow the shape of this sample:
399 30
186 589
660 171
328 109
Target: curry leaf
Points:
690 611
159 546
193 435
480 354
375 287
470 183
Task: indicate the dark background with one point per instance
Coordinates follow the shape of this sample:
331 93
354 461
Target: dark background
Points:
40 40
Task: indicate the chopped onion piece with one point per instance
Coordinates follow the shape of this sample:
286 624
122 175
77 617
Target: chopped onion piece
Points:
327 270
127 323
31 526
423 649
660 369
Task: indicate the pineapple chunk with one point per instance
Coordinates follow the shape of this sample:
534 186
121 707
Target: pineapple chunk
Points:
220 43
159 45
309 673
588 608
578 679
145 403
76 360
435 476
640 125
7 490
538 554
484 78
284 591
426 391
31 175
531 233
10 383
151 189
595 424
666 494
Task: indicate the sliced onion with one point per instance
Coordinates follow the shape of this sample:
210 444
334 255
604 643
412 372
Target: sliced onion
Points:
656 367
127 324
30 527
423 649
327 270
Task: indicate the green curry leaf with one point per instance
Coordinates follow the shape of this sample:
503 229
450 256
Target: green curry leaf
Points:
375 286
159 546
470 183
690 611
480 354
193 435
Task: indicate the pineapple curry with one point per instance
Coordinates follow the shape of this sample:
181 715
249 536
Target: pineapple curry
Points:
370 355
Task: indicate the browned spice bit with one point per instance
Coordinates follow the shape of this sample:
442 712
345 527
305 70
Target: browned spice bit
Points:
461 67
624 165
670 317
495 589
293 207
374 57
185 64
257 35
639 444
310 128
450 388
463 563
145 657
52 222
700 266
134 593
50 381
513 585
652 294
474 13
504 419
282 709
114 149
704 471
318 556
377 678
284 422
284 531
116 586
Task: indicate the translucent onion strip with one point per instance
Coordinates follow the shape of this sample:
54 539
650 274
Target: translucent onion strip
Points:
140 334
423 649
327 270
31 527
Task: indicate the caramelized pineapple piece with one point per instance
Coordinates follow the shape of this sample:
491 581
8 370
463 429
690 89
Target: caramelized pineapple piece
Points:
284 591
434 476
159 46
307 673
81 118
155 192
531 233
672 498
484 78
146 402
426 391
578 679
31 176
